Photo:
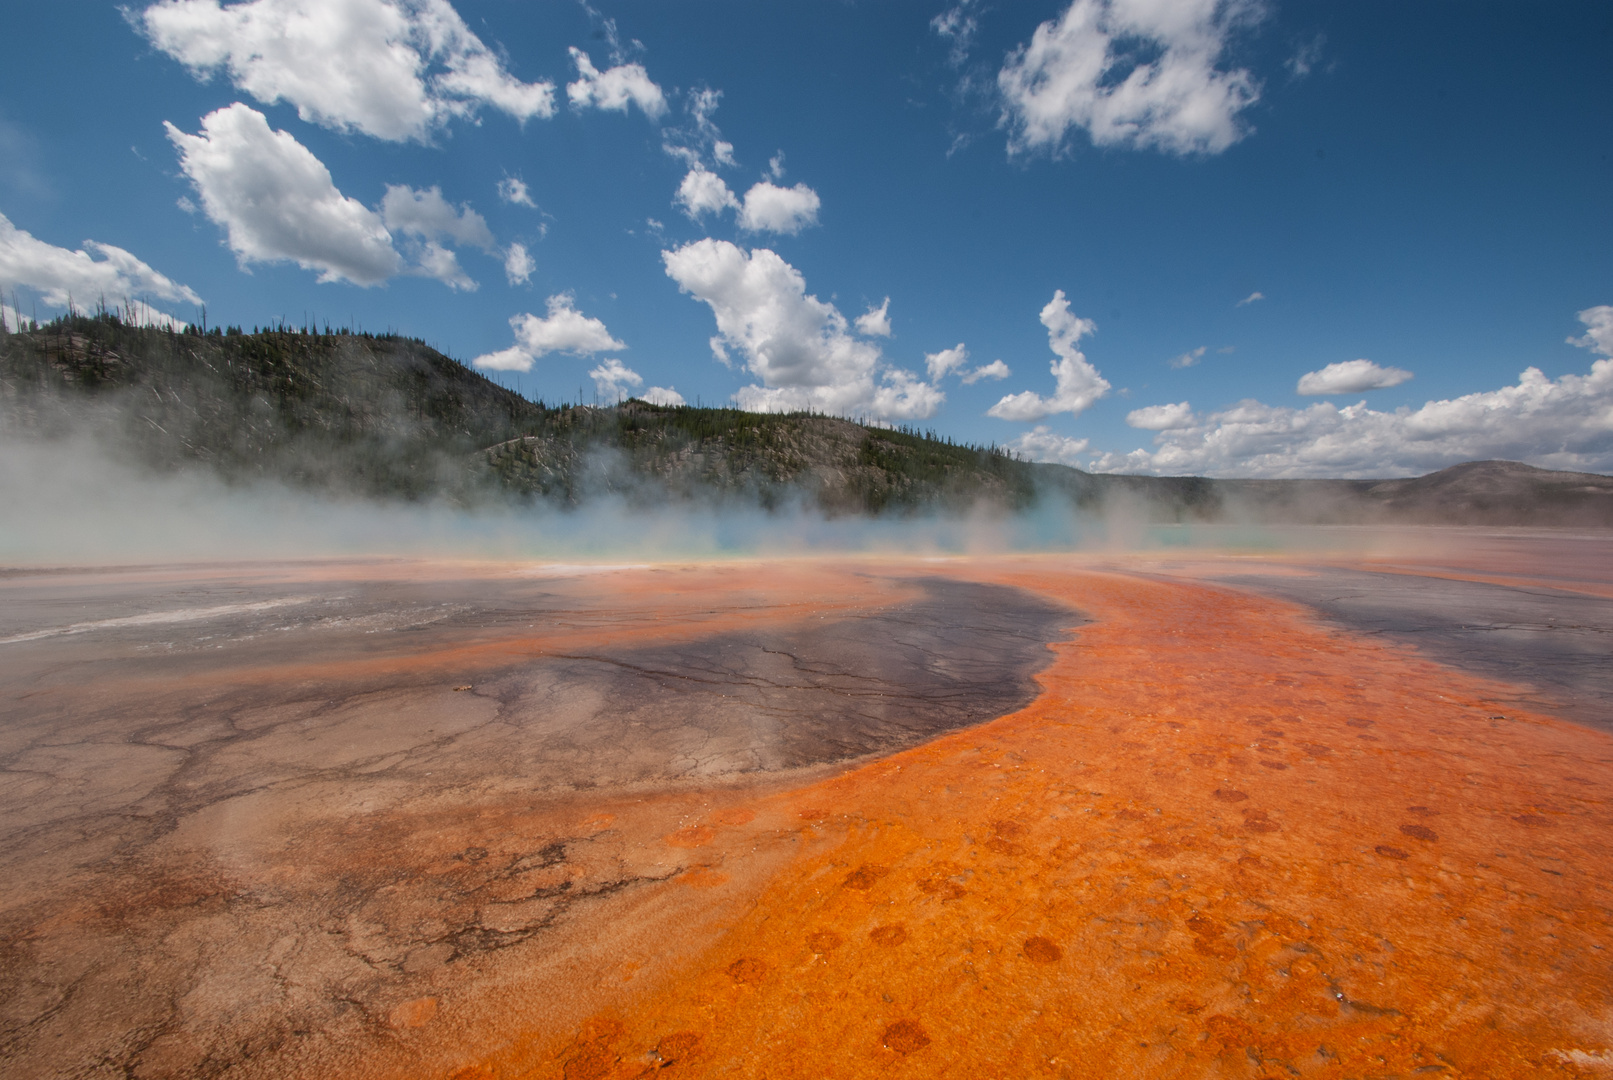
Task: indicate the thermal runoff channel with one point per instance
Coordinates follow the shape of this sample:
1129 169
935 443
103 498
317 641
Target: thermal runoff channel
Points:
1184 811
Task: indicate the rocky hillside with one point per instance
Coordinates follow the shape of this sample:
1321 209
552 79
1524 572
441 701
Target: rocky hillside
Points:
389 417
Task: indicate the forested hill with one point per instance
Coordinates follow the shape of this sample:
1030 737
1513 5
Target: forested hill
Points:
388 416
383 416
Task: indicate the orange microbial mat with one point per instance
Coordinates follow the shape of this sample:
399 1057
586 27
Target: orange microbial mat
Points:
1222 834
1225 840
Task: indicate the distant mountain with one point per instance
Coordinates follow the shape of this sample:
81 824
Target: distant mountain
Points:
383 416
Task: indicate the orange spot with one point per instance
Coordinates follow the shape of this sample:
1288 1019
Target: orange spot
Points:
748 970
733 816
905 1037
412 1014
865 876
692 837
887 936
703 877
1042 950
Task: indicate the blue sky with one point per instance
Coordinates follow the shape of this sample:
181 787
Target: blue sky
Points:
1196 209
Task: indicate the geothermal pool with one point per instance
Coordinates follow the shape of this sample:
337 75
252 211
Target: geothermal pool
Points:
1335 807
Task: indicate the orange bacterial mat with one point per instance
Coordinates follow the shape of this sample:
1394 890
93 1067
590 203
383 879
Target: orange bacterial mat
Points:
1225 841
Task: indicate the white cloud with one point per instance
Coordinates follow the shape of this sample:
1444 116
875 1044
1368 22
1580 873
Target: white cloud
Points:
1351 377
518 264
1305 57
1077 383
515 192
276 200
1187 359
694 146
1138 73
663 395
943 363
775 166
797 345
615 88
876 321
1040 444
1251 298
393 69
432 260
564 329
429 216
614 380
59 275
770 208
1599 330
994 370
766 208
1162 417
703 191
958 27
1564 423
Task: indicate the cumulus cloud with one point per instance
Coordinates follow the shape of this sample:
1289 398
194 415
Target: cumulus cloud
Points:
799 347
770 208
1251 298
564 329
1350 377
703 192
514 191
614 89
876 321
1564 423
1040 444
994 370
1599 330
276 201
393 69
766 207
59 275
943 363
663 395
1135 73
1162 417
518 264
1077 383
1187 359
429 216
614 380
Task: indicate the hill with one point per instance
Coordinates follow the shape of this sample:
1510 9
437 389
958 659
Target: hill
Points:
384 416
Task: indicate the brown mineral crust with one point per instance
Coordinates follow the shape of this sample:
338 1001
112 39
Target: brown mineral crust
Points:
1281 937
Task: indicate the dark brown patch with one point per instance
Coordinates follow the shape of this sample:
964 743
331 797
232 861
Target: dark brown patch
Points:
866 875
887 936
1008 830
1316 749
1359 723
1160 851
823 941
1251 861
677 1046
1391 852
813 813
905 1036
1259 821
1275 734
1422 811
1228 795
1273 765
1420 832
1004 847
1132 815
1041 950
748 970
